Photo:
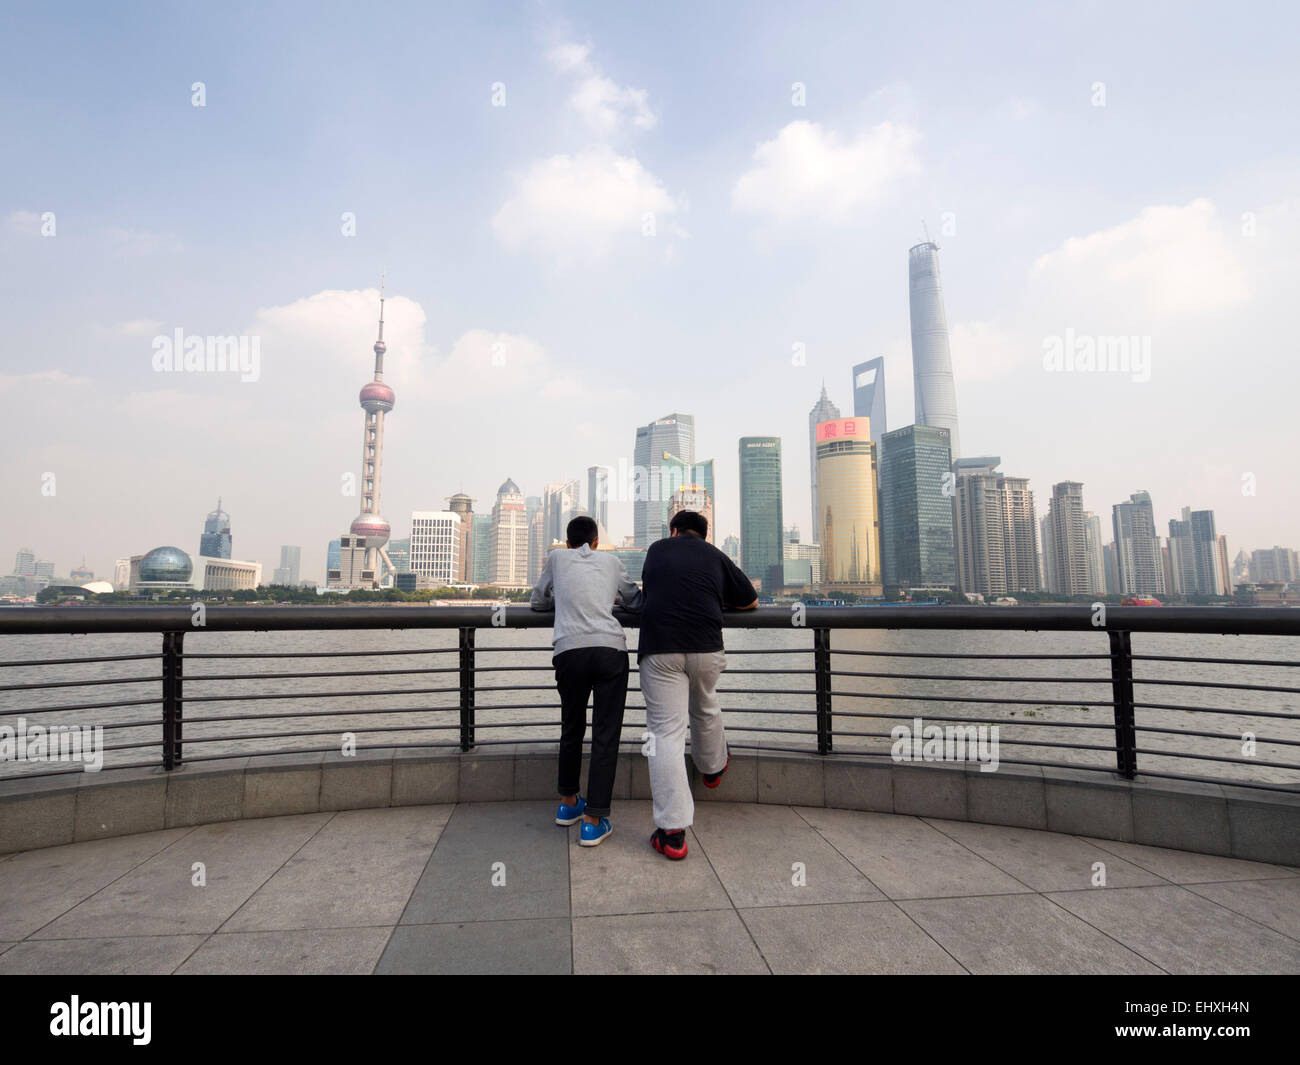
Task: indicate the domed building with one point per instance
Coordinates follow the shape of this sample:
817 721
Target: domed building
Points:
162 569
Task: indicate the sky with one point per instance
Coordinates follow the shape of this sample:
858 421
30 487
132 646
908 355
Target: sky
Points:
591 216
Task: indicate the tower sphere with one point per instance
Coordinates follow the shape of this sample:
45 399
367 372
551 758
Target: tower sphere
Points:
166 564
376 396
373 528
380 346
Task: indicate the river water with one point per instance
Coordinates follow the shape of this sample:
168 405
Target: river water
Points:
516 699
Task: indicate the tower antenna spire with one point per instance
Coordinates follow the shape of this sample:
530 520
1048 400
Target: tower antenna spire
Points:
926 230
383 274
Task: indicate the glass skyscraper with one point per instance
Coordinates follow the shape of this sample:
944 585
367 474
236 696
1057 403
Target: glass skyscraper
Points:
936 394
673 434
915 513
869 397
760 510
215 541
823 411
598 497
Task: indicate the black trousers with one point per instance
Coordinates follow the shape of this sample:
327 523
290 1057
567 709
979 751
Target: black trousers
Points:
579 673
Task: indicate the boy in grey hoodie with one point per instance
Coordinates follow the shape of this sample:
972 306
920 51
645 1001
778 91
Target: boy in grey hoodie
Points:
581 585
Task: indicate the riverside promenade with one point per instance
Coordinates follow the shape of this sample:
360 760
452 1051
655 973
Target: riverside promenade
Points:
497 887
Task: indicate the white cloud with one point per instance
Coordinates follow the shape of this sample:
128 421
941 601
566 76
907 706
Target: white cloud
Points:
601 102
1167 260
138 327
576 206
27 222
984 351
808 172
46 378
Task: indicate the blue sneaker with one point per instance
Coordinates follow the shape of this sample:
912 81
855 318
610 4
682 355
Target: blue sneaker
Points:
591 835
570 815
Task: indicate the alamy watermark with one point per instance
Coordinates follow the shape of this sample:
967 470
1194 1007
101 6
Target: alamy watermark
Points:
208 354
919 742
1084 353
53 743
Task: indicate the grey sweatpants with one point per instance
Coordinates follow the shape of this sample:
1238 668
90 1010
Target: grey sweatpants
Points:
679 688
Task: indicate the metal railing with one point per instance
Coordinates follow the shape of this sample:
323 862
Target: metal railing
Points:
831 705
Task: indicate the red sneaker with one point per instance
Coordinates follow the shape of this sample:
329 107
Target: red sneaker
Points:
670 844
712 780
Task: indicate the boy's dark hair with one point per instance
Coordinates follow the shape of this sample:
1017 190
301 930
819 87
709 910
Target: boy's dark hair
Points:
582 530
690 521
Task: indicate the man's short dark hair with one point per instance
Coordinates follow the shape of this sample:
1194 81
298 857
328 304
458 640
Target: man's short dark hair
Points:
582 530
690 521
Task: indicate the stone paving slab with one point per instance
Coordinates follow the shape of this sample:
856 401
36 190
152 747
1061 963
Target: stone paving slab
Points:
1185 867
160 897
906 858
1275 903
517 844
106 956
1022 934
766 888
1045 861
301 952
359 869
702 942
625 875
754 851
536 947
38 886
1183 932
858 937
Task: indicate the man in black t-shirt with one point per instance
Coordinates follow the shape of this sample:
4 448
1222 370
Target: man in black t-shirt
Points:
687 584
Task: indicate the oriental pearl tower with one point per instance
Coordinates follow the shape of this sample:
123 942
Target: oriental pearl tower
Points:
376 400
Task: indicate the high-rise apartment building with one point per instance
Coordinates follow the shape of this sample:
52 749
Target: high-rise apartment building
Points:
731 548
761 518
1205 545
936 392
436 541
509 563
996 530
847 476
916 509
823 411
25 562
560 504
1067 534
1225 571
1096 557
674 435
1137 547
1274 564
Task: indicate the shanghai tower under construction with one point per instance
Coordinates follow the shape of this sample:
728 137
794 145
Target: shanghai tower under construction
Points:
936 394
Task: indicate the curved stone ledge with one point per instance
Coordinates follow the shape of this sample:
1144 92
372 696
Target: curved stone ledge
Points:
1234 822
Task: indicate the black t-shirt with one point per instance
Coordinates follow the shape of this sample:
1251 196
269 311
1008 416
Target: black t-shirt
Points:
687 582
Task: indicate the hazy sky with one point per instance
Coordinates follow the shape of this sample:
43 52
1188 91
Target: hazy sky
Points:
670 200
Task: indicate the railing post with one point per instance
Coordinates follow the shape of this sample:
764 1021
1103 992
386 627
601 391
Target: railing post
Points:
173 664
822 670
1121 680
466 688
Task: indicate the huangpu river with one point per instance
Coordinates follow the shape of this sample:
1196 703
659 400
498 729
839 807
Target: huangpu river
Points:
417 693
